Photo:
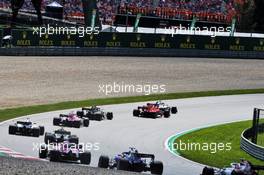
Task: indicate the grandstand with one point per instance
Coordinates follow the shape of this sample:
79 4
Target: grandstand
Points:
204 10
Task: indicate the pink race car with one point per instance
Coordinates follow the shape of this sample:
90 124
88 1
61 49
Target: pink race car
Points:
71 120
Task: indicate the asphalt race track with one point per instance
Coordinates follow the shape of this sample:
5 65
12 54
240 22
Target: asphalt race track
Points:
147 135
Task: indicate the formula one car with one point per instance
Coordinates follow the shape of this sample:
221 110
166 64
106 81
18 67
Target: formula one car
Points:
26 128
65 151
242 168
132 161
155 110
95 113
71 120
60 135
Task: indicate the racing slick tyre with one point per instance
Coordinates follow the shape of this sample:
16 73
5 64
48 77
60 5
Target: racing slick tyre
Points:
136 112
174 110
49 138
74 139
80 113
12 129
156 167
103 162
85 158
36 132
208 171
42 130
43 152
56 121
122 164
138 167
166 114
109 116
54 156
77 124
86 122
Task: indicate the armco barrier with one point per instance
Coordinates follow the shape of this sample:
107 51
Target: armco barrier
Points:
138 44
249 147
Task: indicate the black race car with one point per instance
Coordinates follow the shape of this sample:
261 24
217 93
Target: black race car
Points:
71 120
132 161
95 113
26 128
65 151
60 135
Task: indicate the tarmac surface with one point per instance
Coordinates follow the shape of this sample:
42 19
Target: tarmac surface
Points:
147 135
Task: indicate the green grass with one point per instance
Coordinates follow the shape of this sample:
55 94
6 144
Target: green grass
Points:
10 113
261 139
227 133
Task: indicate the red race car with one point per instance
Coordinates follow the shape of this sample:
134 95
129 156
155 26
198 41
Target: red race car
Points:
154 110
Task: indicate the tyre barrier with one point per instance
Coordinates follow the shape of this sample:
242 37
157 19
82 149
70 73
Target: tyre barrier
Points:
254 150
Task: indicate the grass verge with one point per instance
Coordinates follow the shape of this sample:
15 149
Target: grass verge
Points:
10 113
227 133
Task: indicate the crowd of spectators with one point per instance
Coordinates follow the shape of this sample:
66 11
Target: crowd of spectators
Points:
206 10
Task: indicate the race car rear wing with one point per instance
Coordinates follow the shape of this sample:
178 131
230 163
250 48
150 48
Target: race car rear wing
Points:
142 155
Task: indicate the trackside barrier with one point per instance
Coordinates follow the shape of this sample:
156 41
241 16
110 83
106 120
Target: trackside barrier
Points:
249 147
75 51
24 42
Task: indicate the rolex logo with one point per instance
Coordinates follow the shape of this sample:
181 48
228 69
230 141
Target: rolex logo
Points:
163 38
68 36
114 37
212 40
237 41
188 39
138 37
91 37
24 35
46 36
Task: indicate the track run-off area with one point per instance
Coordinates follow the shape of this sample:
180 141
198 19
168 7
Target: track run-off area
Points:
147 135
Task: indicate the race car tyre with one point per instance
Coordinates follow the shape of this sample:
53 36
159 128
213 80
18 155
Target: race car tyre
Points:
56 121
77 124
103 162
138 167
36 132
42 130
80 113
109 116
174 110
86 122
156 167
43 152
12 129
85 158
74 139
54 156
166 114
49 138
136 112
123 164
208 171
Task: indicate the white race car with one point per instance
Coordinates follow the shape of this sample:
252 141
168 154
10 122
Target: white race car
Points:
242 168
